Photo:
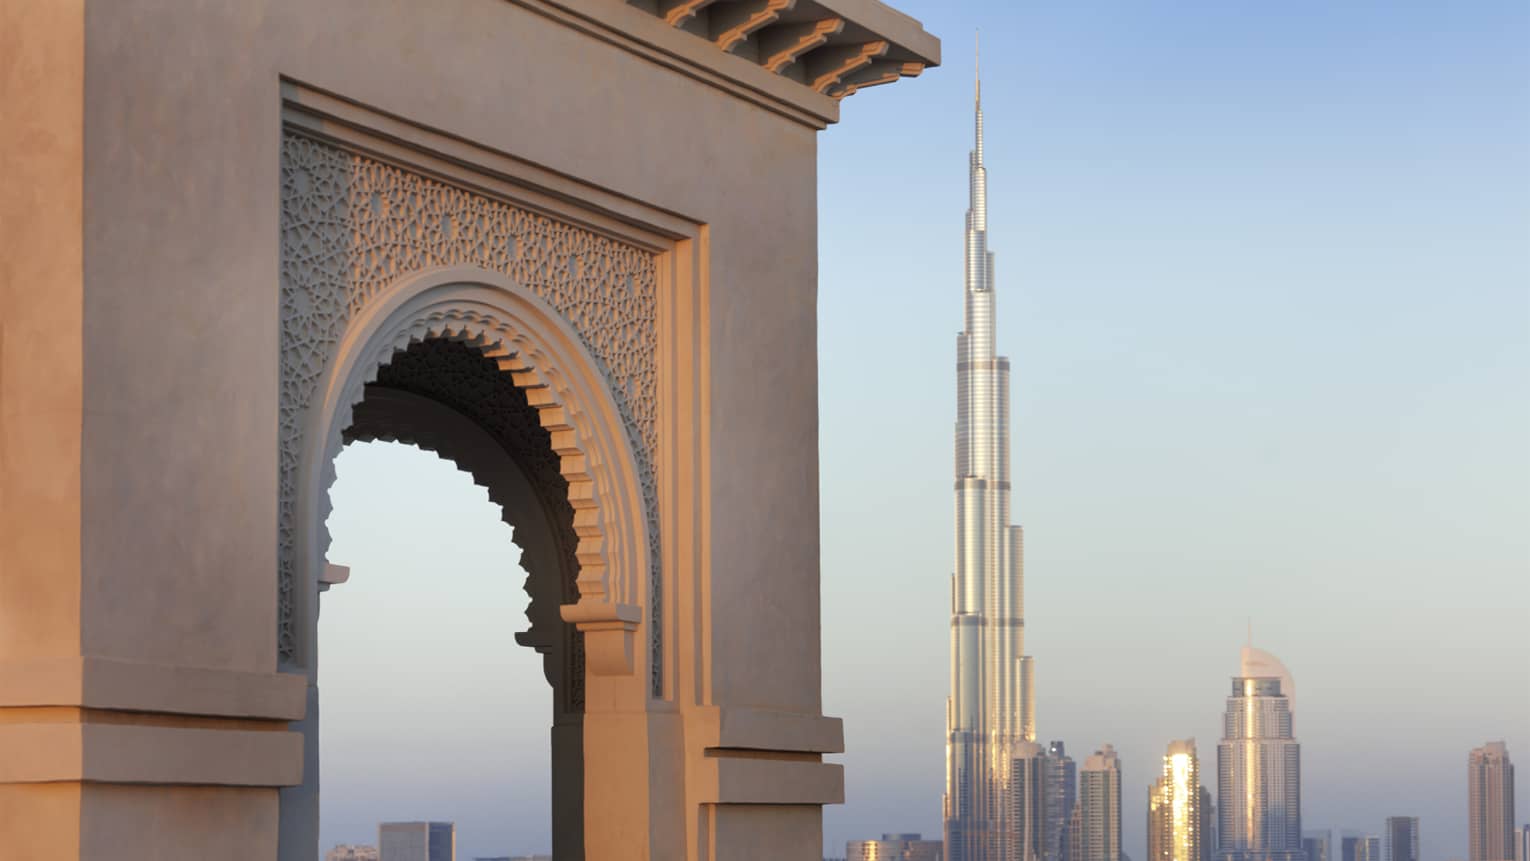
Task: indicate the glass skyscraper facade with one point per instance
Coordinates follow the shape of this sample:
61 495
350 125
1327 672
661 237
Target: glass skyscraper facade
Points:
1318 845
1259 796
894 847
1402 838
1095 832
1176 824
1061 787
1208 825
1360 848
1027 800
989 714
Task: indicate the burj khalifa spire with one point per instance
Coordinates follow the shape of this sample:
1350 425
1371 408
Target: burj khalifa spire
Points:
989 717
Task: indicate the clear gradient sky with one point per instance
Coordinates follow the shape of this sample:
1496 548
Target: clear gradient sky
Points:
1264 276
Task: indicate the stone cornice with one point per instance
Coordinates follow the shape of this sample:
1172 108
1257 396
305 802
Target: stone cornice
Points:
793 57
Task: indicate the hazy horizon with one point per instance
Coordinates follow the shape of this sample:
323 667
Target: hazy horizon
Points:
1263 274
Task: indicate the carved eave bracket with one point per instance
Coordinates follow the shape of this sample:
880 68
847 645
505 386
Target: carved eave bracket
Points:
827 67
873 74
732 23
832 47
783 45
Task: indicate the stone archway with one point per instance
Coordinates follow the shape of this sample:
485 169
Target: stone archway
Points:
447 398
466 363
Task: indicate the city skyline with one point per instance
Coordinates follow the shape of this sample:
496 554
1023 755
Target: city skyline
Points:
1116 312
1263 251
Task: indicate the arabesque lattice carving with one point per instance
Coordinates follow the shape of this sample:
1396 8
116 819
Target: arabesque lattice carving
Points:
352 226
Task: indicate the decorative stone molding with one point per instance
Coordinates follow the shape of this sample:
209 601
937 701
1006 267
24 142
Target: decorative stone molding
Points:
80 745
597 464
134 686
353 230
744 755
107 720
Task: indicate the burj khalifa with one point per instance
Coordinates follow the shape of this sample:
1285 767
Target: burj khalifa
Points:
990 719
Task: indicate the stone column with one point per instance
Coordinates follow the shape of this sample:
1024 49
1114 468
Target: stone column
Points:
116 740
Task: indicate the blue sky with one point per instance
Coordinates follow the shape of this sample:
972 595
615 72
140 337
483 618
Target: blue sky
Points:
1264 275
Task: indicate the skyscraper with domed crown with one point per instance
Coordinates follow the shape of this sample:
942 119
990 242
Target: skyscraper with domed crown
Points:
1259 770
990 720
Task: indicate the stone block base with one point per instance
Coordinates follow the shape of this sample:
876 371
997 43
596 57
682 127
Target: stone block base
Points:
105 822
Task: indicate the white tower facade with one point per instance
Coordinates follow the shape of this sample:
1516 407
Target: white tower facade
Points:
989 714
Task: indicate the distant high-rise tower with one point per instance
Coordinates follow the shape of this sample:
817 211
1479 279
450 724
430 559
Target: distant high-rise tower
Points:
1490 803
1402 838
1522 843
1318 845
417 841
1027 799
1259 795
1061 792
1095 831
990 710
1360 848
1208 825
893 847
1175 830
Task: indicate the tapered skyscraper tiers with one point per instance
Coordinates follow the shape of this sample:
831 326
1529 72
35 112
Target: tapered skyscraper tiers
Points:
989 718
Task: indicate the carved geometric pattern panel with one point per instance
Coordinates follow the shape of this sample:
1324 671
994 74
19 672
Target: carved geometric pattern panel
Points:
352 226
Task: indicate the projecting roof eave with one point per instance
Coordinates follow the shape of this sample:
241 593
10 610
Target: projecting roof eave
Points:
798 58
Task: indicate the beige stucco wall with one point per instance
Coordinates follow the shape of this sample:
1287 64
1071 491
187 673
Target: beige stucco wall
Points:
41 357
41 821
744 832
177 824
